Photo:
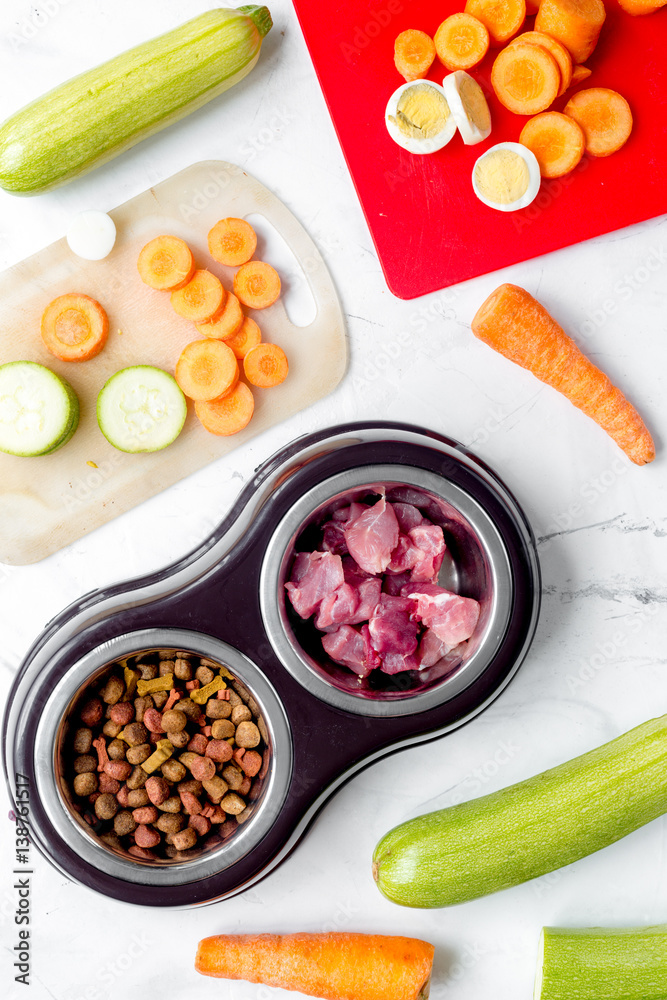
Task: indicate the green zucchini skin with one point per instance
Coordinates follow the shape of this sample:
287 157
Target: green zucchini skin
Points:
531 828
95 116
598 963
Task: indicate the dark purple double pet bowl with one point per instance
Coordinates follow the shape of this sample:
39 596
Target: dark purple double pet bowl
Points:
226 601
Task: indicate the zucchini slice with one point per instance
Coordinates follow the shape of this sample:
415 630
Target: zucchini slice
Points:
39 411
141 409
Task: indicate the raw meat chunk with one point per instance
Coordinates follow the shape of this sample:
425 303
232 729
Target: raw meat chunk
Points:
338 608
431 649
391 627
350 647
315 575
408 516
372 537
430 543
452 618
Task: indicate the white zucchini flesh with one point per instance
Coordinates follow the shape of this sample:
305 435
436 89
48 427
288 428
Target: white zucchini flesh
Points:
141 409
39 411
599 963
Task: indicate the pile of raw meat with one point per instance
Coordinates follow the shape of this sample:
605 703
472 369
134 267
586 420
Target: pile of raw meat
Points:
371 586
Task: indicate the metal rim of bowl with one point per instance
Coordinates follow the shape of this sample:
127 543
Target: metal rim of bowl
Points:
279 551
53 718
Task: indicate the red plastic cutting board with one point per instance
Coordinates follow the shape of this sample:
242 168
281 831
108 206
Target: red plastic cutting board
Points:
429 229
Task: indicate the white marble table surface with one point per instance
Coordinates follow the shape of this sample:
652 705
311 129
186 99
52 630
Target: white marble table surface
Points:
597 665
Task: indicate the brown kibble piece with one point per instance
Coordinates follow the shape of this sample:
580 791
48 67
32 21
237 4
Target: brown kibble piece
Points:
113 691
137 797
108 784
232 804
135 733
233 776
185 839
171 805
160 698
190 708
124 823
173 721
117 750
111 840
158 790
170 822
234 698
86 762
191 786
223 729
183 670
251 763
146 836
173 770
85 783
179 740
215 788
140 706
217 709
219 750
122 713
111 729
106 806
166 667
228 827
92 712
247 735
145 815
148 671
241 713
246 814
118 769
137 779
139 753
204 675
83 738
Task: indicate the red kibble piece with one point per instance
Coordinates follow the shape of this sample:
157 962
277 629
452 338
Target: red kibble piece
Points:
118 769
202 769
238 754
153 720
154 738
266 759
218 815
208 810
100 745
122 713
244 787
207 731
92 712
198 744
146 836
251 763
91 820
174 696
108 784
223 695
219 750
191 804
122 795
157 789
141 852
145 815
192 685
228 827
201 824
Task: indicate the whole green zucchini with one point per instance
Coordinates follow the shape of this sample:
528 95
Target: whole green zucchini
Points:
530 828
93 117
596 963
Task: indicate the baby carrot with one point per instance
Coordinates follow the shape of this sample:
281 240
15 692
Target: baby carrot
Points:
74 327
639 7
166 263
232 242
265 366
414 52
516 325
256 285
334 966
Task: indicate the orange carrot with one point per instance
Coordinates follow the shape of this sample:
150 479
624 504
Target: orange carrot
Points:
605 119
556 140
335 966
503 20
245 339
414 53
206 369
166 263
513 323
229 414
532 7
232 241
74 327
557 50
201 299
461 41
575 23
227 323
639 7
579 74
256 285
526 78
265 366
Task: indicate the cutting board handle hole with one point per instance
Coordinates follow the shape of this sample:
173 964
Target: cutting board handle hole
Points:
297 296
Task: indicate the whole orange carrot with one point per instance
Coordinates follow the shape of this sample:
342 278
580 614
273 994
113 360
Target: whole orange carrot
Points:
330 966
513 323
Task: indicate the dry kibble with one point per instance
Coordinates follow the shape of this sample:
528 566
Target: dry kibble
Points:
106 806
111 729
234 699
83 738
139 753
233 776
113 691
118 769
215 788
173 721
135 734
148 671
86 762
123 795
203 768
247 735
141 852
92 712
191 804
146 836
241 713
198 743
200 824
219 751
204 675
232 804
223 729
191 709
191 786
123 712
251 763
185 839
173 770
157 789
112 840
183 670
108 784
246 814
216 708
137 797
245 786
137 779
124 823
170 822
145 815
140 706
117 750
166 667
160 698
153 721
171 805
85 783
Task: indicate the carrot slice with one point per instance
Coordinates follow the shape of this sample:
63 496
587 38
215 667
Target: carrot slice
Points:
516 325
166 263
526 78
248 336
503 18
532 7
74 327
226 323
575 23
579 74
334 966
556 140
639 7
256 285
265 366
414 53
461 41
232 241
201 299
207 369
229 414
605 118
557 50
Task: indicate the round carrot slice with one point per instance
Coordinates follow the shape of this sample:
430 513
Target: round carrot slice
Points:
265 366
414 53
166 263
605 119
74 327
201 299
503 18
206 369
245 339
461 41
256 285
526 78
232 241
225 324
228 415
557 50
556 140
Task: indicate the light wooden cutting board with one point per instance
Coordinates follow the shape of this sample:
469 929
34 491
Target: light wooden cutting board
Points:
49 501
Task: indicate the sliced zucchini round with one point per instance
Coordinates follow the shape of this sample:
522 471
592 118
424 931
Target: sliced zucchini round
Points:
141 409
39 410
